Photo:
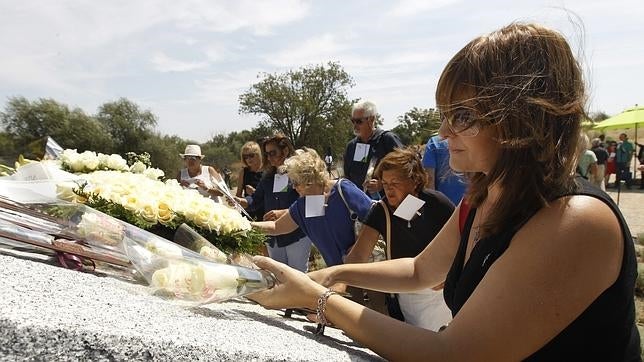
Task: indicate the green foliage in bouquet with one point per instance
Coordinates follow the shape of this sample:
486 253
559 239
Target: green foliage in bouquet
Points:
248 241
133 157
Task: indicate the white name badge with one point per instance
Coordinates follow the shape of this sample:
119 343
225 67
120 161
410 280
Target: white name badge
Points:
314 205
362 152
408 208
280 183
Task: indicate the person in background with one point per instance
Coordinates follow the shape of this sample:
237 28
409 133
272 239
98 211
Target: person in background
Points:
369 146
249 175
602 140
441 177
275 193
611 168
623 157
602 157
587 161
328 160
332 228
197 176
401 174
542 266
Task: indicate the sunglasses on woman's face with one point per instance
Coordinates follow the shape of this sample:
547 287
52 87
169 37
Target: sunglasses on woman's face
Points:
462 122
191 158
271 153
248 156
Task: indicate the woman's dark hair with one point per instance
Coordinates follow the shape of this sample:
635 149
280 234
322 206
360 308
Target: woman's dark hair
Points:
523 81
407 162
283 143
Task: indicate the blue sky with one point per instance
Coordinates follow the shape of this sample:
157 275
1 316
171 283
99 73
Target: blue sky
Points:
188 61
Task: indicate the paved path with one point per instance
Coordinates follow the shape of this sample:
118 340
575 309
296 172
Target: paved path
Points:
631 203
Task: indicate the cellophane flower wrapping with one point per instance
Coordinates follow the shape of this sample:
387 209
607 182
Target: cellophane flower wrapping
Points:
191 279
170 269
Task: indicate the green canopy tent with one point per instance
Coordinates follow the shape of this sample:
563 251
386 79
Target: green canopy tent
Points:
630 118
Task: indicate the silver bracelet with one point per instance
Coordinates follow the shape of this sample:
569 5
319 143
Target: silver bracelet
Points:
322 306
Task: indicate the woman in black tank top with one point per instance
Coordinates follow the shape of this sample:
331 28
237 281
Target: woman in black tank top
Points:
543 266
250 175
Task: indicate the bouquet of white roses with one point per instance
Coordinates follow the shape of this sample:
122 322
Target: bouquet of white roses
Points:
149 203
190 278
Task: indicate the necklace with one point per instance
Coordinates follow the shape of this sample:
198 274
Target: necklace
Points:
477 234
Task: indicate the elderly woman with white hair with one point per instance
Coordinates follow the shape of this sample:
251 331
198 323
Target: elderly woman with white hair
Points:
325 210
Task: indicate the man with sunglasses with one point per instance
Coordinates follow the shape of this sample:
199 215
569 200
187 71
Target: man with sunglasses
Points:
369 146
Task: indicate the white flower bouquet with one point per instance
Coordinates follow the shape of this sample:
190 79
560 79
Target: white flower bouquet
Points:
161 207
190 278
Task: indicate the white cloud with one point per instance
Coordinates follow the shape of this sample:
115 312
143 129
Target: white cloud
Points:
415 7
225 87
229 16
164 63
319 49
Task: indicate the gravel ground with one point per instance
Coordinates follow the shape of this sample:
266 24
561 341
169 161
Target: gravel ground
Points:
51 313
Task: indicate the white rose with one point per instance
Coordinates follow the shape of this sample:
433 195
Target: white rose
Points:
148 211
164 249
137 167
165 214
116 162
102 160
153 173
90 160
65 191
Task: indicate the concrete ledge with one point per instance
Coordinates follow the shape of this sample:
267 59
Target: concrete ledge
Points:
51 313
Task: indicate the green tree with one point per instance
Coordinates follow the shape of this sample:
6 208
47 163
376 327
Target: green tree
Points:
417 125
128 125
27 122
598 116
309 105
164 152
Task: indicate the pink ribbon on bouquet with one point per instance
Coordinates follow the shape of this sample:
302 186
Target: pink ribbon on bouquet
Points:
74 262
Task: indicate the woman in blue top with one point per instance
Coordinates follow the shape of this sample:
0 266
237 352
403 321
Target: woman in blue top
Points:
327 221
275 194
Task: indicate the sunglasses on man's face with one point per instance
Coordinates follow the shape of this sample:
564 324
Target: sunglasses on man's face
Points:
248 156
359 120
191 158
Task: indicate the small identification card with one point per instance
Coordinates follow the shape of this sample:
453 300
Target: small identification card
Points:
280 183
408 207
314 205
362 152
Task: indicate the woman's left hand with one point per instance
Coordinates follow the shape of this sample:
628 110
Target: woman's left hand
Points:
274 214
293 288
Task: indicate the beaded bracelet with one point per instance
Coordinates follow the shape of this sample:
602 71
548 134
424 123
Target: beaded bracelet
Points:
322 306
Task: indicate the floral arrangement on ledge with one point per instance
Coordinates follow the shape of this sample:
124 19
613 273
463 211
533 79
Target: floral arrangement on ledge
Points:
89 161
146 202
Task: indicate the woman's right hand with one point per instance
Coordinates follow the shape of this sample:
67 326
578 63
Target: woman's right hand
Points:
293 289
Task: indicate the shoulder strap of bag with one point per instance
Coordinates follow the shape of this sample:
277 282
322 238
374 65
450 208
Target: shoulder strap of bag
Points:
388 232
352 214
388 237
